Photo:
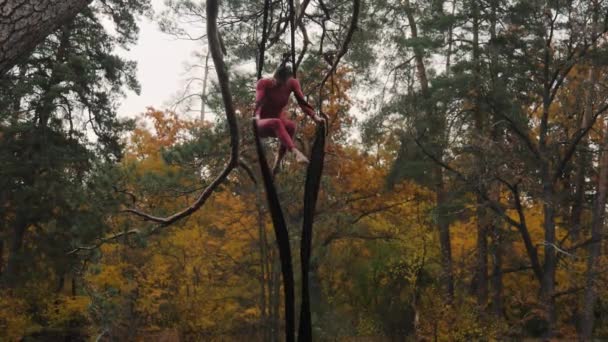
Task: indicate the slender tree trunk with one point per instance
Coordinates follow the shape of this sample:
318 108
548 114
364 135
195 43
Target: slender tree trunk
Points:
14 252
1 257
497 252
276 301
496 227
61 283
263 263
418 52
481 274
548 278
443 223
444 236
547 289
595 248
25 23
579 190
583 162
204 94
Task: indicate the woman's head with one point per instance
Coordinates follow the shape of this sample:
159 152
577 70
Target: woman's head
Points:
283 73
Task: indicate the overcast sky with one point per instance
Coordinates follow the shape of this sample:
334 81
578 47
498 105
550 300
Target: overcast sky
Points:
161 69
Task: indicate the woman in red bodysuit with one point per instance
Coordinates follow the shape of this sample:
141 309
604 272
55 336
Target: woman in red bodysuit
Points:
272 95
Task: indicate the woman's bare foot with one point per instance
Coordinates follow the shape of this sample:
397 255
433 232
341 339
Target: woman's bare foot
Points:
300 157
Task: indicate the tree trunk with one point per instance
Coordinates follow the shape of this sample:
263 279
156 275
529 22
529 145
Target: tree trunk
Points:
583 162
597 226
496 227
14 252
548 196
443 223
74 285
444 237
548 277
25 23
481 274
597 221
496 252
481 269
276 301
1 257
204 94
264 263
60 283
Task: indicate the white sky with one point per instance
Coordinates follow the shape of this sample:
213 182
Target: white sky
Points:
161 71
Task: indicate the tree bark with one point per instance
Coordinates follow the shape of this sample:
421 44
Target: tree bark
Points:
25 23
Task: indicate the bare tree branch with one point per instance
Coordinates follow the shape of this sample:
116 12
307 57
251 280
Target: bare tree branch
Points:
104 240
215 47
344 49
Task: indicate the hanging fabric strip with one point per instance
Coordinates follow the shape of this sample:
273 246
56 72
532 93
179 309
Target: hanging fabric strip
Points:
282 236
311 192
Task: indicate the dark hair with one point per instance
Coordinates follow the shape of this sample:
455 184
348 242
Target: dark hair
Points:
283 73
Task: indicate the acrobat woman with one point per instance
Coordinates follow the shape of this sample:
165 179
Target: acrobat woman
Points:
272 95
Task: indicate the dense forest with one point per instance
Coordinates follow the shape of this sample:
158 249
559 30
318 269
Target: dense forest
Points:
456 190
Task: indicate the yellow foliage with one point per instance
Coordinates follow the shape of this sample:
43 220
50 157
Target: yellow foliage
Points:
65 311
14 319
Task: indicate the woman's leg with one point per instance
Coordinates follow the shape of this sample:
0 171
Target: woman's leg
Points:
290 126
276 128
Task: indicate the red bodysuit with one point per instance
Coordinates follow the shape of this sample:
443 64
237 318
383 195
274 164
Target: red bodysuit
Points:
272 120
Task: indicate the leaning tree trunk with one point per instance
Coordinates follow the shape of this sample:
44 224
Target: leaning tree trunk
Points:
25 23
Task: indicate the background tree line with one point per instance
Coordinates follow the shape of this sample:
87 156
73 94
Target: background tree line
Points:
471 207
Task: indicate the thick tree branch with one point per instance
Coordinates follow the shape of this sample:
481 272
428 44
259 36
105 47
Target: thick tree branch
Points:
523 230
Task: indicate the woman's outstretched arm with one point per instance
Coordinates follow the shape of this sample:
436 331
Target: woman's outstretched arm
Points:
307 108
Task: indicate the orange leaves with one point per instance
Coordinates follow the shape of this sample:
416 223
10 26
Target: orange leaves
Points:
169 129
